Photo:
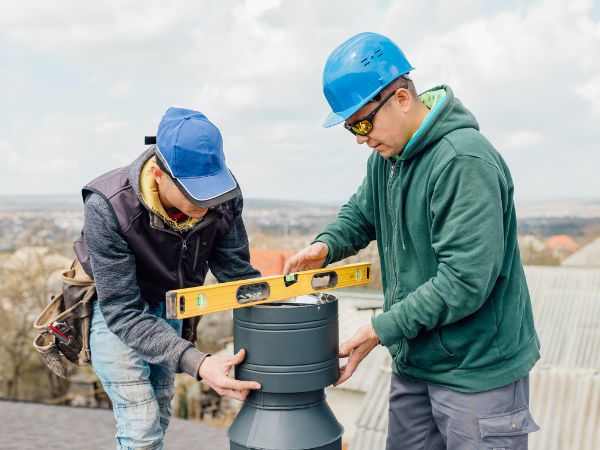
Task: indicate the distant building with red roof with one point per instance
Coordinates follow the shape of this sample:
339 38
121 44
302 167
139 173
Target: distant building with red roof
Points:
562 243
269 261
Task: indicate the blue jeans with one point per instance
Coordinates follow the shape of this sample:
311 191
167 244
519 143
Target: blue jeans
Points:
141 392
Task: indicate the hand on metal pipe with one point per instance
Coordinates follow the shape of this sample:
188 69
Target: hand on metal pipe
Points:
215 370
311 257
356 349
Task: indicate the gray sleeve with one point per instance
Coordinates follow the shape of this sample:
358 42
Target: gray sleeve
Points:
126 313
230 257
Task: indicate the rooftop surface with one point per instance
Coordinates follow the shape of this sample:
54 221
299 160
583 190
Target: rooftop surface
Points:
31 426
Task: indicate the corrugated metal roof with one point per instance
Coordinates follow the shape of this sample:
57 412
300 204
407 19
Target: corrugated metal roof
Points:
566 307
566 405
588 256
371 426
565 384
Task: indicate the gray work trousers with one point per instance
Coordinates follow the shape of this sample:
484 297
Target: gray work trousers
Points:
424 416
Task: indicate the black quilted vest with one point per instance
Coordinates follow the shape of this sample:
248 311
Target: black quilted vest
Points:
165 259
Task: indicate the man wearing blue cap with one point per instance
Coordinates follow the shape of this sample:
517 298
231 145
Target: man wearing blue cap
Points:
438 199
160 224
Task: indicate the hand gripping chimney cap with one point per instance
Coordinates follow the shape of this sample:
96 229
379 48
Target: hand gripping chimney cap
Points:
190 149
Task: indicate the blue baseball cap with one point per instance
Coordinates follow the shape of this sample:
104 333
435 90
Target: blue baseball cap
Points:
190 149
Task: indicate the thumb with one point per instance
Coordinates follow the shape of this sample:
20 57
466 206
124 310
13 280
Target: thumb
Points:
345 349
238 357
287 267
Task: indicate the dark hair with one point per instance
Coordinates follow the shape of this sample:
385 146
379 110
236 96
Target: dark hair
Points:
397 83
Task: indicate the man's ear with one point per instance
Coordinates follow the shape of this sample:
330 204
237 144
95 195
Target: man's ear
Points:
403 98
157 173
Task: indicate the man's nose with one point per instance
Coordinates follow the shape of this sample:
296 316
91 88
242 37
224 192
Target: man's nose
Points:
361 139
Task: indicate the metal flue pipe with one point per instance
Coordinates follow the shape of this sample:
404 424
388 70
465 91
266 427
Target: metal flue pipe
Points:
292 351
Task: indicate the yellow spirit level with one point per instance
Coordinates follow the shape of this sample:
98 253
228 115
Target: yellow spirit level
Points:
197 301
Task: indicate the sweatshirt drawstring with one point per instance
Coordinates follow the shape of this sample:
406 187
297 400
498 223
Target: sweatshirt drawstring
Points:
401 207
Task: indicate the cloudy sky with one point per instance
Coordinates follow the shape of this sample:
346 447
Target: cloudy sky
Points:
81 83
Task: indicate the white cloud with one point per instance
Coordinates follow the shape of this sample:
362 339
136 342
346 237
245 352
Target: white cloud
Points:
589 91
120 90
61 152
519 140
107 71
29 168
252 9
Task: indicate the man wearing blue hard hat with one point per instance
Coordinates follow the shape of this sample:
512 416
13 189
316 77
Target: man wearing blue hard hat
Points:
438 199
156 225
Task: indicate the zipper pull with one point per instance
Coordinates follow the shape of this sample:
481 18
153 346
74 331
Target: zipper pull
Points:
184 244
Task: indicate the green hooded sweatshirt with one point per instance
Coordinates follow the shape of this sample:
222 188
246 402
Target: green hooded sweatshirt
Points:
457 311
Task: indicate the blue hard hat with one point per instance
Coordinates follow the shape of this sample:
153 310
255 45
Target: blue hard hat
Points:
190 148
357 70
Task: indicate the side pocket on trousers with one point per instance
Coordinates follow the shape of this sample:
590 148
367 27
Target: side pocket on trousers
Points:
506 430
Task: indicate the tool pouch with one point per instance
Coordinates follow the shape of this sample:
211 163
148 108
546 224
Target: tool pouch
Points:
64 325
189 330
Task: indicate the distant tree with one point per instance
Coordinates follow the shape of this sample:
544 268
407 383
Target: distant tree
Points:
590 233
28 277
